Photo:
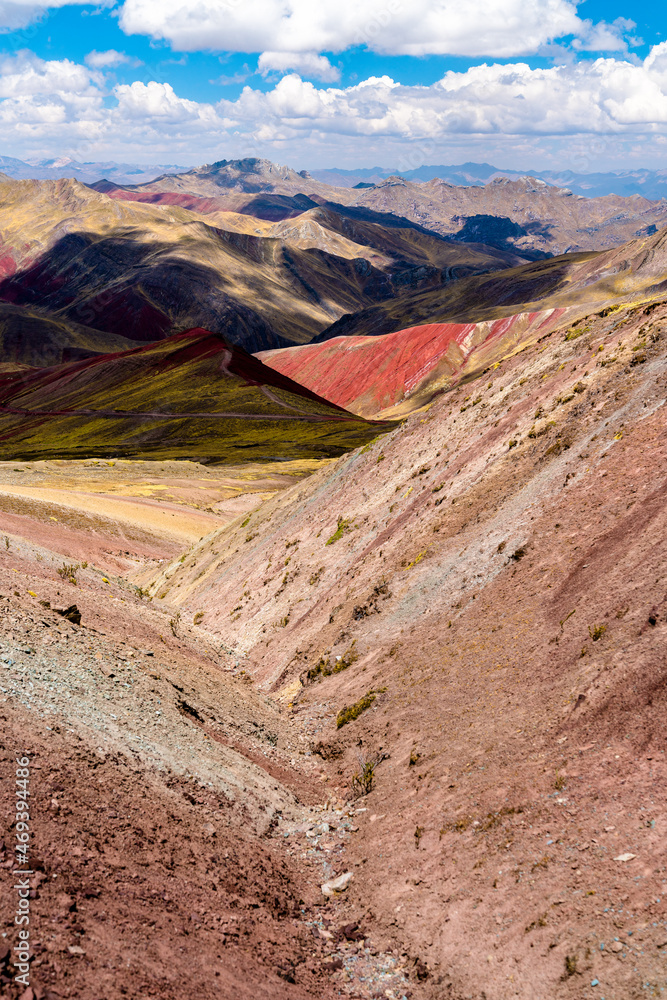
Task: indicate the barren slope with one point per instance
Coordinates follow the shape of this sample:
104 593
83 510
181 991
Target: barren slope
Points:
398 372
492 576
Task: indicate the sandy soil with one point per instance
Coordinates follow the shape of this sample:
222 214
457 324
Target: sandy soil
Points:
128 516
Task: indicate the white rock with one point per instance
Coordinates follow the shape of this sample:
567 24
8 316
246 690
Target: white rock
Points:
337 884
625 857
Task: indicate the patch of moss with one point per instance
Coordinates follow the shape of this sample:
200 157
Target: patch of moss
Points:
325 668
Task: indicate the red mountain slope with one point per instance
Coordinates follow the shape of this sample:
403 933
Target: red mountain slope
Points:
369 374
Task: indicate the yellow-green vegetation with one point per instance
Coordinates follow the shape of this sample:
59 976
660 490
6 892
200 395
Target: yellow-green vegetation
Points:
344 525
362 780
417 559
351 712
68 572
172 400
324 668
596 631
198 617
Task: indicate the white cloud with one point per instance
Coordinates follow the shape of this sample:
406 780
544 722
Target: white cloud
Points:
16 14
496 28
61 107
306 63
109 58
157 101
602 96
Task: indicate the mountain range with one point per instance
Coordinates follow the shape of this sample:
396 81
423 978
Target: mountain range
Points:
651 184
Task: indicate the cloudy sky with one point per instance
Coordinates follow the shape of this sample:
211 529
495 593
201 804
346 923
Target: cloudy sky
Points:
314 83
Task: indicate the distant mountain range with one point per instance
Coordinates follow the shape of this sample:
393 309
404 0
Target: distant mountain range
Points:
650 184
269 257
87 173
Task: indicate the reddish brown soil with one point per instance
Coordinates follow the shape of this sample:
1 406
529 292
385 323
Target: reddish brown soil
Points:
500 568
497 566
370 374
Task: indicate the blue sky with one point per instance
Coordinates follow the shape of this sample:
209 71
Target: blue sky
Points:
519 83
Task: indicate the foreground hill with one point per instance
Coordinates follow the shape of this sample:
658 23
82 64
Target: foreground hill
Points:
191 395
475 607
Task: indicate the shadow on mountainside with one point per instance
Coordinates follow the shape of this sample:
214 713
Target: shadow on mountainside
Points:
261 294
139 290
468 300
499 231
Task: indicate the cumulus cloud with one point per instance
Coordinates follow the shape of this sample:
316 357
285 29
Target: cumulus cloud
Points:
603 96
492 28
64 106
157 101
305 63
109 58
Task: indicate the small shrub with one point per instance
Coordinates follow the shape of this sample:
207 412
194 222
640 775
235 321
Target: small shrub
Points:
414 758
419 833
198 617
351 712
362 780
560 782
513 443
284 622
421 471
68 572
570 965
6 542
246 522
325 669
173 623
315 578
342 526
596 631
